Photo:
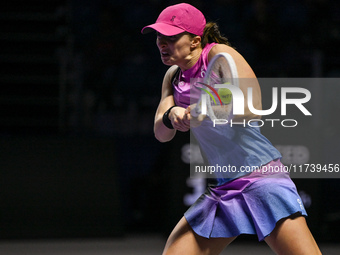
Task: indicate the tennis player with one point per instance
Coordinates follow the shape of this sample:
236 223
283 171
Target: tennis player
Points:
267 205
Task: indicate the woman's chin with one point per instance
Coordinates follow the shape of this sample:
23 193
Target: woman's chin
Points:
167 61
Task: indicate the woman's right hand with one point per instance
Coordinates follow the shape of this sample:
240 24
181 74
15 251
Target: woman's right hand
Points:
180 120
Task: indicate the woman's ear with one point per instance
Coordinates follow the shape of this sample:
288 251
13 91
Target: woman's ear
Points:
195 42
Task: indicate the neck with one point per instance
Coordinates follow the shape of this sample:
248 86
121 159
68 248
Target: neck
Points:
191 59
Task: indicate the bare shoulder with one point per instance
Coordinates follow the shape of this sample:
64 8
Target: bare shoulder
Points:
167 86
170 73
244 69
219 48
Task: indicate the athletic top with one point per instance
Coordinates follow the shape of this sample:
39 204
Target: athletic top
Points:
231 151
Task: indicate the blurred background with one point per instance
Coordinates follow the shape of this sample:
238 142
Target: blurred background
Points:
79 86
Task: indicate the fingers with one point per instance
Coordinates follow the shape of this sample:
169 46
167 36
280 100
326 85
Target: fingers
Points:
181 124
188 110
201 117
193 120
197 121
180 119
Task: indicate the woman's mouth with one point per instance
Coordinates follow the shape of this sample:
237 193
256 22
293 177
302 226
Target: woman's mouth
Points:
165 54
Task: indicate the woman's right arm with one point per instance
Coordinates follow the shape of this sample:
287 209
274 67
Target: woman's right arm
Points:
163 133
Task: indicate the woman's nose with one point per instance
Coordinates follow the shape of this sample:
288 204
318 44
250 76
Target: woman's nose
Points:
161 41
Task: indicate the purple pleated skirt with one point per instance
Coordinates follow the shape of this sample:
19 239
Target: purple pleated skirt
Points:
252 204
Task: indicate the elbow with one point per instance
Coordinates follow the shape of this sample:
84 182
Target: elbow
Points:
162 139
164 135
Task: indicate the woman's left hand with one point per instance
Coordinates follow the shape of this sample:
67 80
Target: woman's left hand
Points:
194 121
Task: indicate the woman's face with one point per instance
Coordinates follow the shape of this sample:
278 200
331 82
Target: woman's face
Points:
174 49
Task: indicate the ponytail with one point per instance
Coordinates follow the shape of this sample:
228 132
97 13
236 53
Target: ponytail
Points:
212 34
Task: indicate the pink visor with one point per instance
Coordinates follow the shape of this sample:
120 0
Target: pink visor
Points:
177 19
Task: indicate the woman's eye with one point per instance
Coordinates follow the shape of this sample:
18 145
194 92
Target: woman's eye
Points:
170 38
